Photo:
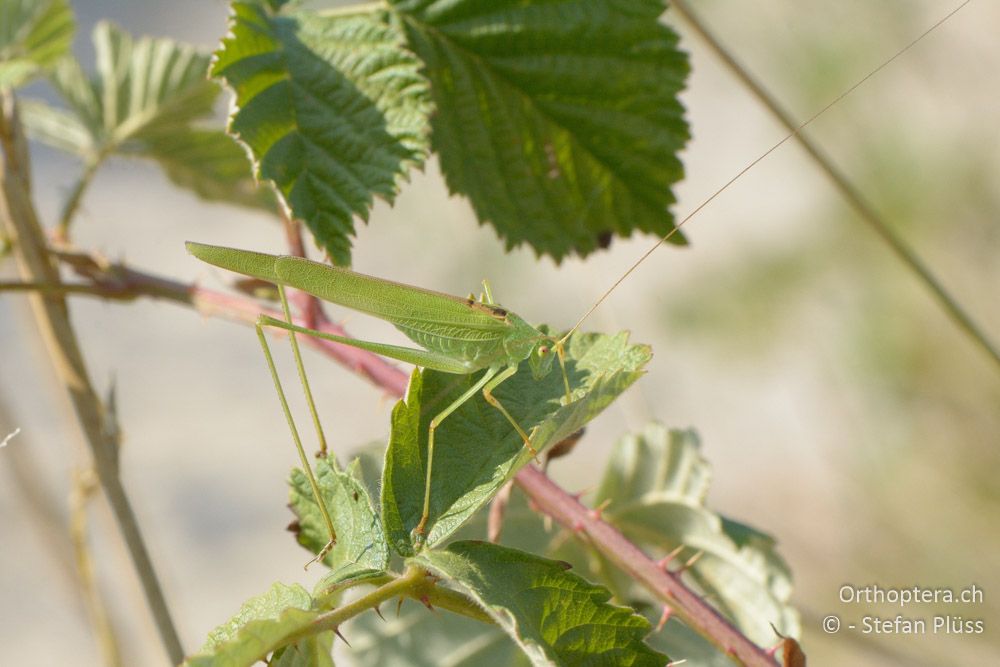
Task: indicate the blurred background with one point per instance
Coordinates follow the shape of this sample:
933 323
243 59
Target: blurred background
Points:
841 410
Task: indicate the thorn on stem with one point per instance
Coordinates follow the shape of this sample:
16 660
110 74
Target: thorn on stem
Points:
498 507
664 617
336 631
665 561
691 561
596 513
399 605
426 601
379 612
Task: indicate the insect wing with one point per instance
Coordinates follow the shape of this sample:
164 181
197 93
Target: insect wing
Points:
249 263
402 305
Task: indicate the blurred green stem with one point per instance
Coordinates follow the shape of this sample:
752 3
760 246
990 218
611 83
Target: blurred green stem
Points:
76 196
848 191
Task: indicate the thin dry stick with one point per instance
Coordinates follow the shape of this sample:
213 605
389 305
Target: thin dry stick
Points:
84 488
861 205
43 512
52 317
66 544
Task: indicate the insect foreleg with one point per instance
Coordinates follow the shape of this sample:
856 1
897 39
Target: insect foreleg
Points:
561 355
492 400
302 373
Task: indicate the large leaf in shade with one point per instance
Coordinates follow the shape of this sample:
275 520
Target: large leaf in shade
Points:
559 119
262 625
555 616
34 34
208 163
655 489
361 550
332 108
476 448
416 637
149 98
314 651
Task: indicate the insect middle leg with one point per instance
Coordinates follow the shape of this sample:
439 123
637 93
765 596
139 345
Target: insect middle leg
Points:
435 422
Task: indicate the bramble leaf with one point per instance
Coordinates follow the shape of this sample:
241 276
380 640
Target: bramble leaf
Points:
655 489
333 110
34 34
262 625
315 651
559 119
476 448
147 99
416 638
361 550
206 162
56 127
555 616
658 479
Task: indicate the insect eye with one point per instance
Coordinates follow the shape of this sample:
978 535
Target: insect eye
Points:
543 350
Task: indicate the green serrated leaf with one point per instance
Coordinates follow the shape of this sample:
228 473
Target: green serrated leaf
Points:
316 651
361 551
655 490
416 638
559 119
476 449
524 528
555 616
58 128
262 625
332 108
147 86
34 34
208 163
665 472
80 92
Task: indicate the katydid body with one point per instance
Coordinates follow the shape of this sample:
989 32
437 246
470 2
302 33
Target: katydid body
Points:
458 335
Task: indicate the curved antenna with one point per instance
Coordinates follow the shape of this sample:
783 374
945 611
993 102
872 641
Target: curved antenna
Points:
754 162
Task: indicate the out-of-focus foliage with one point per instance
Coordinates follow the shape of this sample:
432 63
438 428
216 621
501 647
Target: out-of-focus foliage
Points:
33 36
149 98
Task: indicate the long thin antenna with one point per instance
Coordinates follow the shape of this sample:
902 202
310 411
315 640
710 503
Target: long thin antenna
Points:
753 163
